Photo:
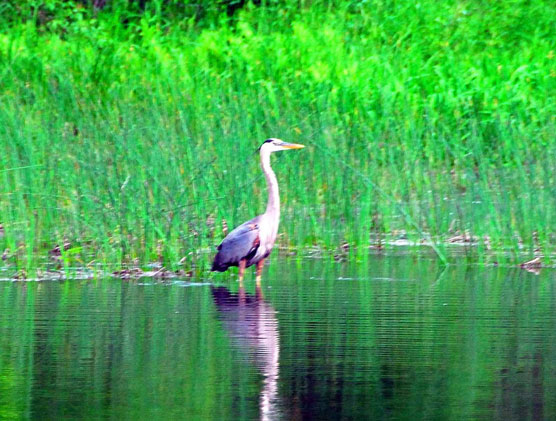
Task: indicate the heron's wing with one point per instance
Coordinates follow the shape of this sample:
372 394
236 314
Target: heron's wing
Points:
241 243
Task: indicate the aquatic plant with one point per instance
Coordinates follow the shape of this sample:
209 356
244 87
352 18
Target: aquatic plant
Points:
430 122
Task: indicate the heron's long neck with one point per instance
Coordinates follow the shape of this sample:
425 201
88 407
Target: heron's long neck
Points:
273 205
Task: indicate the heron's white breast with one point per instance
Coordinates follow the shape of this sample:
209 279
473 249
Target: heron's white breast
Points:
268 229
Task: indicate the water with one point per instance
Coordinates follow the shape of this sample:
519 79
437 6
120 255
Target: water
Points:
389 338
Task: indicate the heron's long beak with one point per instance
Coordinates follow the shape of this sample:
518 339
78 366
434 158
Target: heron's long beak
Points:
291 145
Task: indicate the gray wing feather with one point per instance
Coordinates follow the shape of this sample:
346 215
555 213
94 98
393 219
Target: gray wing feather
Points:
242 242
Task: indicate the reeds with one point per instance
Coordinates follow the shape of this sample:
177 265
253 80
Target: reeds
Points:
431 122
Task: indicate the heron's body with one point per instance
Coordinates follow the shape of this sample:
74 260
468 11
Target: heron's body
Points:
251 242
245 242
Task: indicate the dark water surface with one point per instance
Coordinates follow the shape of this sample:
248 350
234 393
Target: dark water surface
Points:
390 338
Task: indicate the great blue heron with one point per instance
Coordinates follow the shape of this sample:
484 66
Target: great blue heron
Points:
252 241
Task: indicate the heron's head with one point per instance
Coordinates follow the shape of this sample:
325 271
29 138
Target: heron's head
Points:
275 145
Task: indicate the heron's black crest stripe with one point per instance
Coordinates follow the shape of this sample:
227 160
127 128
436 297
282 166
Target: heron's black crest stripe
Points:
266 141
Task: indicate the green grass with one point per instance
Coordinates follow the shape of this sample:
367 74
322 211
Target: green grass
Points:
422 120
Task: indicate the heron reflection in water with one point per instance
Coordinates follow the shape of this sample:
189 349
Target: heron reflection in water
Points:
252 241
252 325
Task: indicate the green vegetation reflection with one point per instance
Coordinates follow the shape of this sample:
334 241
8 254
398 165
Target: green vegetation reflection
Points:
393 337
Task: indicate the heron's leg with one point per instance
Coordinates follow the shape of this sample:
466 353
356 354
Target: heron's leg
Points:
242 295
242 264
259 295
260 265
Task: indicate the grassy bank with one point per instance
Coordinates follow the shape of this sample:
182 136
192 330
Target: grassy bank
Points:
138 142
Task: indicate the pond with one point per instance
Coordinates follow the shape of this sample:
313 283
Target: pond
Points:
396 338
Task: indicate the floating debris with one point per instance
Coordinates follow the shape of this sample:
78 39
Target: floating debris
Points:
533 266
340 257
210 224
160 274
486 242
185 274
57 250
60 275
134 273
465 238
